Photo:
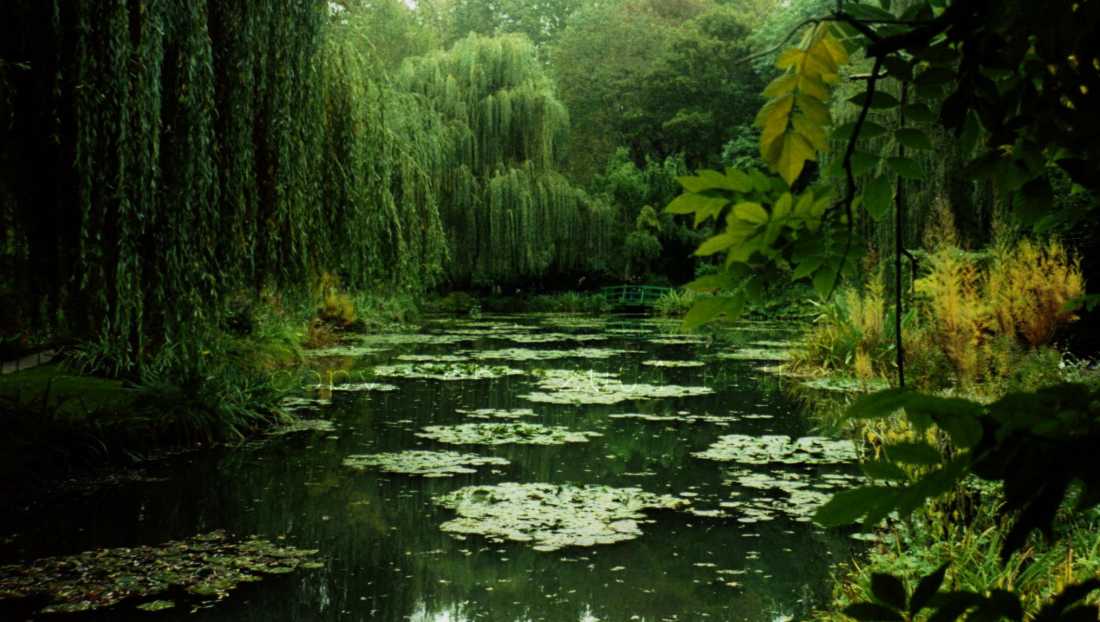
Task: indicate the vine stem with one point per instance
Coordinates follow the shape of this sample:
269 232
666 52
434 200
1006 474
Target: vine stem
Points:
899 246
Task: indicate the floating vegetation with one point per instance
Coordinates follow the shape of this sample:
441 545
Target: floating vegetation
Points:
755 354
663 363
798 494
552 337
433 358
504 434
355 387
681 340
525 354
496 413
779 449
423 463
564 386
422 339
207 567
446 371
681 417
552 517
303 425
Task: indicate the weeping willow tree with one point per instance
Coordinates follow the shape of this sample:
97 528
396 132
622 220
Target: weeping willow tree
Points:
157 156
508 214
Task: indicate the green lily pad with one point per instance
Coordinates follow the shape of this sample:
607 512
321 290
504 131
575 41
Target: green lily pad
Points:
779 449
564 386
304 425
551 517
349 351
796 495
157 605
446 372
209 566
846 385
423 463
356 387
433 358
525 354
755 354
504 434
497 413
553 337
677 418
663 363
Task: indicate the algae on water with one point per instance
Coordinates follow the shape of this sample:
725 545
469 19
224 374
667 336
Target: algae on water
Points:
551 517
504 434
423 463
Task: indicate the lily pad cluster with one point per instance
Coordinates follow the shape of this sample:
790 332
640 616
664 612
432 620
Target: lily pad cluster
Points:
504 434
551 517
756 354
355 387
525 354
433 358
796 495
207 567
304 425
673 363
348 350
497 413
681 417
563 386
554 337
446 372
423 463
779 449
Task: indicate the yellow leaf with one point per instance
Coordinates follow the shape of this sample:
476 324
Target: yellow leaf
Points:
792 157
814 87
836 49
815 110
775 113
818 62
792 57
812 132
783 85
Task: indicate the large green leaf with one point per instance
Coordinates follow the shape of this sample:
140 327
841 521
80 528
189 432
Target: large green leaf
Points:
878 196
847 506
691 203
708 309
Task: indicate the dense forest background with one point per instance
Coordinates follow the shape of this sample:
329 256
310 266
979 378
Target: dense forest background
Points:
160 162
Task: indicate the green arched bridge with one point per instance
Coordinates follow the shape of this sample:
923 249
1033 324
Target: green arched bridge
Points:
634 295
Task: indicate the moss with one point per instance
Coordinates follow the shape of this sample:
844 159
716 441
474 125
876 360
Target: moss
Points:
64 393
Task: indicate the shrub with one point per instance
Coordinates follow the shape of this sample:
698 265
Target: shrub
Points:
675 303
1029 287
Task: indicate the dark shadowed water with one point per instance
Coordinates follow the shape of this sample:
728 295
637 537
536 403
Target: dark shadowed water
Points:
386 558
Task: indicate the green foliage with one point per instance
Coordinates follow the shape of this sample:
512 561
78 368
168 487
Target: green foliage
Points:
502 194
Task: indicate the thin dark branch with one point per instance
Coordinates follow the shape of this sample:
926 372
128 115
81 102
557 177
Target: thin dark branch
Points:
899 246
849 153
790 35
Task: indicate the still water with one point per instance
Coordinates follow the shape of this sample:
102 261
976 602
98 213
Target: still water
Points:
385 557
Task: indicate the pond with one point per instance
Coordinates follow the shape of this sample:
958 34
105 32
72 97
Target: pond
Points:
534 468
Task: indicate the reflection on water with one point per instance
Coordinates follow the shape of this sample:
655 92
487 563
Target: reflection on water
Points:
386 558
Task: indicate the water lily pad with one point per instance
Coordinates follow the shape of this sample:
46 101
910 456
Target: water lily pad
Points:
433 358
564 386
553 337
664 363
755 354
208 566
356 387
846 385
551 517
504 434
794 494
676 418
295 404
304 425
497 413
423 463
442 371
525 354
403 339
779 449
680 340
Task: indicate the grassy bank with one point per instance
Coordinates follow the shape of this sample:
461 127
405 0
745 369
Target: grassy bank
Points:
978 326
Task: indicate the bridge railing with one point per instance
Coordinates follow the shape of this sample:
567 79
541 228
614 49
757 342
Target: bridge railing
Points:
635 295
